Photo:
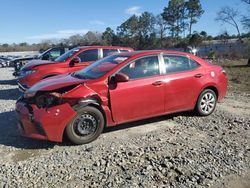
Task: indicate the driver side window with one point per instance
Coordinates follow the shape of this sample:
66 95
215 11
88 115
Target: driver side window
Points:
141 68
89 55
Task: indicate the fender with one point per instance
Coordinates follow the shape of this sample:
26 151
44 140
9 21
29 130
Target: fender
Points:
80 92
86 96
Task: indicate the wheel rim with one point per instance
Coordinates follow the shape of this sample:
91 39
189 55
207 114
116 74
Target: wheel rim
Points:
85 125
207 103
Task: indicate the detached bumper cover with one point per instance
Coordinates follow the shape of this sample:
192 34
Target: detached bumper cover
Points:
44 124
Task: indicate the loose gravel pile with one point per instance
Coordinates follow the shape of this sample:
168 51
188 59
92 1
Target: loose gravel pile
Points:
180 150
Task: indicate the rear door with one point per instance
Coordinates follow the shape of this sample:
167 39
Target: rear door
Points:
184 79
143 95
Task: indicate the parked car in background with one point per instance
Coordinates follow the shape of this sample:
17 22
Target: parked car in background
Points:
73 60
117 89
4 61
50 54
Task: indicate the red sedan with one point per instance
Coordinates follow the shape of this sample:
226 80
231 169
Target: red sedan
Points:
117 89
71 61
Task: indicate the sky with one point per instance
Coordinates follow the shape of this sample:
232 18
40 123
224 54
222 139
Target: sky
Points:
33 21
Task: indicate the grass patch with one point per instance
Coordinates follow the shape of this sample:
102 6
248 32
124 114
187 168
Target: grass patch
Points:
238 74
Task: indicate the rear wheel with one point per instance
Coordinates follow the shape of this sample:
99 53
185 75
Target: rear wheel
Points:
206 102
86 126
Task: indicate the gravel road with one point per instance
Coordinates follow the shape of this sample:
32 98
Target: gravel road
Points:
179 150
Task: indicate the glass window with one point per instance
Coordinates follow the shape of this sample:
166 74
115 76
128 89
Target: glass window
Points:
89 55
178 63
67 55
193 64
55 53
144 67
100 67
107 52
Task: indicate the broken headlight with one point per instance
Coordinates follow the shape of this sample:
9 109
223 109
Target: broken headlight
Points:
48 100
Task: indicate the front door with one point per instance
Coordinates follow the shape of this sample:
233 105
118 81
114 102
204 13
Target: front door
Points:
142 96
87 57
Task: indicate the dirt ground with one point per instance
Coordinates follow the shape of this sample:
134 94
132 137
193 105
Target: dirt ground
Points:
179 150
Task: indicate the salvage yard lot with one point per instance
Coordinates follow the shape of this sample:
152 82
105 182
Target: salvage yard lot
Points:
179 150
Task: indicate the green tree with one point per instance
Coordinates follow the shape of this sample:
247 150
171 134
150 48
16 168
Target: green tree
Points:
203 34
161 28
146 27
174 15
194 12
195 40
129 28
128 32
146 23
108 36
137 31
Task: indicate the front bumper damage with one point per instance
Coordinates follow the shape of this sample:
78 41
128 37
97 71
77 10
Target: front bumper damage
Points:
44 124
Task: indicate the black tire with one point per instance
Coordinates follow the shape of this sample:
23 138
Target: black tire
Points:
87 117
206 103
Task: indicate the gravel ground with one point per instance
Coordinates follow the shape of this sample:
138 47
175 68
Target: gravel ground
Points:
179 150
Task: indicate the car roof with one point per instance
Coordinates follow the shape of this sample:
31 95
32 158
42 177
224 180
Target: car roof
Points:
150 52
96 46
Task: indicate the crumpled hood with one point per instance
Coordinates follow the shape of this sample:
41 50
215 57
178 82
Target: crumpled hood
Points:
55 82
36 62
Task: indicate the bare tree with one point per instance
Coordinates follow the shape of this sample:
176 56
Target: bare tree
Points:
229 16
246 19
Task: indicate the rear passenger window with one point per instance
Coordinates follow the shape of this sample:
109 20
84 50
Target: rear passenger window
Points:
89 55
178 63
107 52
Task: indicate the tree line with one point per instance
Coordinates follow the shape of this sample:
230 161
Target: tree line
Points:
171 28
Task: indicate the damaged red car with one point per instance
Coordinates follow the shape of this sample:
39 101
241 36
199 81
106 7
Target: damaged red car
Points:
119 88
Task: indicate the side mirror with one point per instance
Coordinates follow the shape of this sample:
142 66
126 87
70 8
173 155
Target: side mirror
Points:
120 77
74 61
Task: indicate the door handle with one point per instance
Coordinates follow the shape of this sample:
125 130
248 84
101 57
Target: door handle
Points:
198 75
157 83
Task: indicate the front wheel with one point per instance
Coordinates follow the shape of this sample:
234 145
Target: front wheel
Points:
86 126
206 102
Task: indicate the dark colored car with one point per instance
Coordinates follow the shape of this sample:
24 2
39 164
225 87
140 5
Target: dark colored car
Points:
50 54
73 60
117 89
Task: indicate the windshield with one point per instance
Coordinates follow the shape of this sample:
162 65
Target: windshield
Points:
41 55
99 68
67 55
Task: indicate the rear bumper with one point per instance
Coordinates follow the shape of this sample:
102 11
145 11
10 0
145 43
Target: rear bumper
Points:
43 124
